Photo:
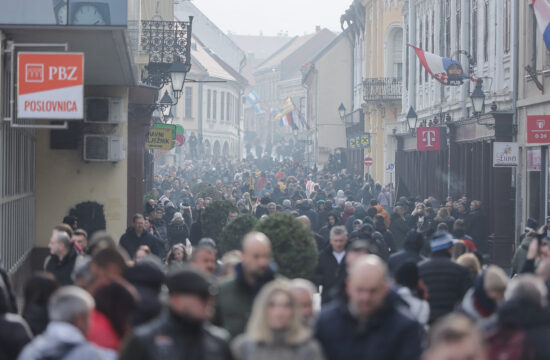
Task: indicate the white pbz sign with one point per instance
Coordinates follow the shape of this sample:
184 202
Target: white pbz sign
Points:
50 85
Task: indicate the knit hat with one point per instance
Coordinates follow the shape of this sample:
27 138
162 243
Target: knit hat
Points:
441 240
190 282
532 224
320 202
177 215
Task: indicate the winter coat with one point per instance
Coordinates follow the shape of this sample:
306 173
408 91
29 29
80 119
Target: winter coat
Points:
385 214
447 282
389 334
161 229
525 316
177 233
5 285
61 340
37 318
388 237
347 214
171 337
62 269
520 255
102 333
235 300
329 273
399 229
305 209
130 241
244 349
419 309
476 227
411 252
14 335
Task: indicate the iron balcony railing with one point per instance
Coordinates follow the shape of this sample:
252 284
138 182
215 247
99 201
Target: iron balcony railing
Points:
382 89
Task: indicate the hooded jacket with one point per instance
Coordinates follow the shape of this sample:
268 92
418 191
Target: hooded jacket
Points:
414 243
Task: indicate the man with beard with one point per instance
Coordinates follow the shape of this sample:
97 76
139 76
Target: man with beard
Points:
234 303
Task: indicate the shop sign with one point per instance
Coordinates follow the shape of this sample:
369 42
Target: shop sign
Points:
159 139
505 154
538 129
430 138
50 85
360 141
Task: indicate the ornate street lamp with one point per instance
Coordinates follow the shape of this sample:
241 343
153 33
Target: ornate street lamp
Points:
342 111
478 98
412 120
168 119
178 72
165 104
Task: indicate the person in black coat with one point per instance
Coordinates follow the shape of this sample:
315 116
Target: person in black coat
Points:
380 226
136 236
476 226
331 267
399 227
62 257
177 231
37 293
14 331
414 243
332 220
368 329
447 281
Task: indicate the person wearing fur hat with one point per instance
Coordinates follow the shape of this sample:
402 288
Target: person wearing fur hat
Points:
178 231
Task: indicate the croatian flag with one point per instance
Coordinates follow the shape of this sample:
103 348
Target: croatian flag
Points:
542 12
254 100
446 71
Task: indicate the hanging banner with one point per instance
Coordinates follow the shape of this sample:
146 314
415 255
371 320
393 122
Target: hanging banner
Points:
431 138
505 154
50 85
538 129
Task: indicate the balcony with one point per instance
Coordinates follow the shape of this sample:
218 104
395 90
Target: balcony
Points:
382 89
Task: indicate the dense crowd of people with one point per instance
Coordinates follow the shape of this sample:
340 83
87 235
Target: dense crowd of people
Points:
396 278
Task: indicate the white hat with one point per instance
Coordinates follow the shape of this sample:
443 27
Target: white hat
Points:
177 215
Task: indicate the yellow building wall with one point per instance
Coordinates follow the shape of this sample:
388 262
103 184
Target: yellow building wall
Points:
64 180
384 17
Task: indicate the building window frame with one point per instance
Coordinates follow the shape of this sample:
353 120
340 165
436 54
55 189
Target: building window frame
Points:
188 102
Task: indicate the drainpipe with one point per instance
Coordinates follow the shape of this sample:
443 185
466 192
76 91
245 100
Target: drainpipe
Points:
517 179
412 54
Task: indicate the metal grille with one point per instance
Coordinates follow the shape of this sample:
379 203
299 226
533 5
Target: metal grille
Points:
382 89
17 164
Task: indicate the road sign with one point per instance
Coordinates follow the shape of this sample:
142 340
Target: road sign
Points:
159 139
390 166
50 85
368 161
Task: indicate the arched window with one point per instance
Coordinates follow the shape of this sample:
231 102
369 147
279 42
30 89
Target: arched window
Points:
394 53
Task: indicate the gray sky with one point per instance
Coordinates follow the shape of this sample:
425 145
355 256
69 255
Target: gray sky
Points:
249 17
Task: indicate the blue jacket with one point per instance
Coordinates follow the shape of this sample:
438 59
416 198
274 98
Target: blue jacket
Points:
389 334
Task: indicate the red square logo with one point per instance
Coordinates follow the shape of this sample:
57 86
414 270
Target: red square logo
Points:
428 138
538 129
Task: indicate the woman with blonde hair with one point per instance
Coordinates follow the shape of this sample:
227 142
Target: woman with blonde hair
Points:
177 256
275 329
471 263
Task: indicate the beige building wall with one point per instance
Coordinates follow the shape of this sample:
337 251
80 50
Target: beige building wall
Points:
157 10
64 180
382 17
332 89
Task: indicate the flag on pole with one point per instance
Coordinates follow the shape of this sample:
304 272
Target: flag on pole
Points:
542 13
446 71
285 117
302 121
254 100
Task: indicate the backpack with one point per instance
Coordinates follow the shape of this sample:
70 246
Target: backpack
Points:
509 344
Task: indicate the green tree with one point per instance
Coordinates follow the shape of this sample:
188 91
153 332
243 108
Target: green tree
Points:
294 248
233 233
214 217
203 190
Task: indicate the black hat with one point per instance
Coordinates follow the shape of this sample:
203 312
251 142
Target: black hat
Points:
532 223
191 282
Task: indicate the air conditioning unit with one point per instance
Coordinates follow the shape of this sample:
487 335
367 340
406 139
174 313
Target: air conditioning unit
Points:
103 110
103 148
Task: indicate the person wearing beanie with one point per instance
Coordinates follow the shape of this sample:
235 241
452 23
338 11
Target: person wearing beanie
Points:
481 301
182 331
447 281
178 232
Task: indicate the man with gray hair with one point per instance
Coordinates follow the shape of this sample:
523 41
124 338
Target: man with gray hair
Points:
523 322
65 337
331 267
63 256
